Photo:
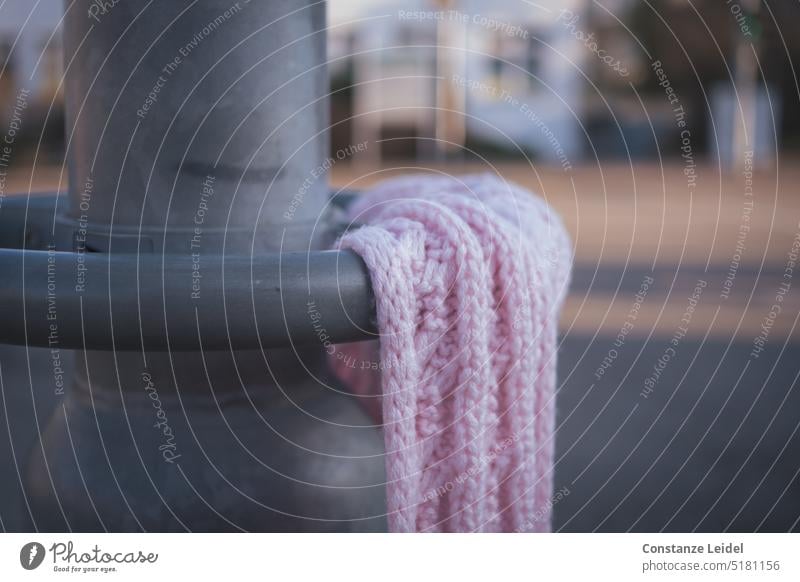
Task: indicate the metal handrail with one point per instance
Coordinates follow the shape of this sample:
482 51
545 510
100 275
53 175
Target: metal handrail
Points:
157 302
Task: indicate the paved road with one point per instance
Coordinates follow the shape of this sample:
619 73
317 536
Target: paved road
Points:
715 446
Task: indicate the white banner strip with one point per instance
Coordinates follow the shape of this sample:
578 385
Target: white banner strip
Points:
383 557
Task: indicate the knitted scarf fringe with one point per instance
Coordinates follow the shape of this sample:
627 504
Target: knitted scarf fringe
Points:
469 275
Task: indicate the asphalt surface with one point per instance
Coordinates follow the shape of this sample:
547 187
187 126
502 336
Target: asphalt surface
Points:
713 445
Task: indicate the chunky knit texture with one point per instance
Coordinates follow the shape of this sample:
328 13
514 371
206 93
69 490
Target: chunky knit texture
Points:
469 274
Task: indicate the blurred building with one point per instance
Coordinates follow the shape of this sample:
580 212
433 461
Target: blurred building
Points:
409 71
564 81
31 67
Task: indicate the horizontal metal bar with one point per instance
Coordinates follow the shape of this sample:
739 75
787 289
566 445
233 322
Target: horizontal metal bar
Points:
183 302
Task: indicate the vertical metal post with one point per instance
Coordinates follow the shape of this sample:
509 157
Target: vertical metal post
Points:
164 98
199 128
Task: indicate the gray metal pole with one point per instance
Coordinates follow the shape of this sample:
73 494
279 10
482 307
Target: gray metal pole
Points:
196 132
192 121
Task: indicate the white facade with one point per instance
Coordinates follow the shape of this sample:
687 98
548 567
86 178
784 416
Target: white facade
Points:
509 66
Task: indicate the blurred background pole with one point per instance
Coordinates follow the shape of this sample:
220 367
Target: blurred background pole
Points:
748 87
450 95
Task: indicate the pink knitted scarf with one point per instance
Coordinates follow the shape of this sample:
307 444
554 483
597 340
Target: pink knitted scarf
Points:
469 274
